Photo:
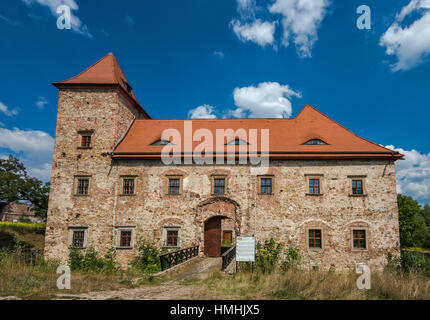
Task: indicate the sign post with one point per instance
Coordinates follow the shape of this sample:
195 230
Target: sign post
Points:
245 250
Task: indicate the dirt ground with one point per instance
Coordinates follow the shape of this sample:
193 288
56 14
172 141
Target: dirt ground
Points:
198 268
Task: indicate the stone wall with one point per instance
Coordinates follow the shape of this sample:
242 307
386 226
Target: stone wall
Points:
285 215
109 114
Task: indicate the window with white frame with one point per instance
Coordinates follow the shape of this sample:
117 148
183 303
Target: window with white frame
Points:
172 237
359 239
78 237
125 237
128 185
82 185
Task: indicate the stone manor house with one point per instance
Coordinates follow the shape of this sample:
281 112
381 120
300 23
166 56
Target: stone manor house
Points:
326 191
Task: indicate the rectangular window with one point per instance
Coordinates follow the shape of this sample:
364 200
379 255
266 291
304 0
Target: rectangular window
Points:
86 141
83 186
78 238
314 186
174 185
266 185
219 185
227 236
315 239
172 238
125 238
128 186
357 187
359 239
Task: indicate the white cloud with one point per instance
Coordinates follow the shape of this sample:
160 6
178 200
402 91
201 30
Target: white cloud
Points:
202 112
410 44
413 174
246 8
33 147
301 20
43 172
219 54
28 141
76 23
41 102
7 111
267 100
259 32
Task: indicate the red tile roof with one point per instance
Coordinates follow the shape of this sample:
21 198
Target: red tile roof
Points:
106 71
287 137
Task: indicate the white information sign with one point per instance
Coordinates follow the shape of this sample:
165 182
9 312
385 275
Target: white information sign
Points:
245 249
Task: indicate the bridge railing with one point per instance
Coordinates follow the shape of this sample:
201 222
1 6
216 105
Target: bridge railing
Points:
227 257
171 259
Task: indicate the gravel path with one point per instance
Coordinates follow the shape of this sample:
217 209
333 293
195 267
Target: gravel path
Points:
200 268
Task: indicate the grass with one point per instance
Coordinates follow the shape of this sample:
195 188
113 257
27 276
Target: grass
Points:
23 226
38 281
10 237
318 285
418 249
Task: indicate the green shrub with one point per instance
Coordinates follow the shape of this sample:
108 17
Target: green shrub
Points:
408 262
147 260
89 261
292 259
267 256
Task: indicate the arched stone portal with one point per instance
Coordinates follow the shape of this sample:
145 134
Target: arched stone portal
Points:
211 218
217 229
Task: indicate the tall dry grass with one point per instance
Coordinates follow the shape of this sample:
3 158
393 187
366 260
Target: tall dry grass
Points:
316 285
38 279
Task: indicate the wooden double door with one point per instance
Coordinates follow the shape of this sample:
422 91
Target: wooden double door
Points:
213 237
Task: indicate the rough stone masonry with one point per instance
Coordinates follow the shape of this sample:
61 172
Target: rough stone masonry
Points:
351 218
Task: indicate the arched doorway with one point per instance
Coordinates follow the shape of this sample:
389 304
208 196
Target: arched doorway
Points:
217 230
217 219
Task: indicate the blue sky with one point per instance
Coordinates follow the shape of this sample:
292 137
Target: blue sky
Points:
227 58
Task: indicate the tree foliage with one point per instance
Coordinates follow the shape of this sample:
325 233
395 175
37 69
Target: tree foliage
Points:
16 184
414 223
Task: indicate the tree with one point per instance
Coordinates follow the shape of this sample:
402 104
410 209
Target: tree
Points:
15 184
413 229
426 214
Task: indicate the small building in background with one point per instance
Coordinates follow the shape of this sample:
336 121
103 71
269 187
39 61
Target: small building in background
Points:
19 212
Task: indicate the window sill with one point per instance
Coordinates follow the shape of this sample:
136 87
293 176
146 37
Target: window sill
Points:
359 250
127 195
81 195
316 250
173 194
79 248
218 194
315 194
83 148
358 195
265 194
124 248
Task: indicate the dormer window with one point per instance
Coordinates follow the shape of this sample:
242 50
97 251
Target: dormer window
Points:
237 142
315 142
162 143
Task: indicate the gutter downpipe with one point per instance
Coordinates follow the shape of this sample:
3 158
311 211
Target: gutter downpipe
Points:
255 207
114 206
